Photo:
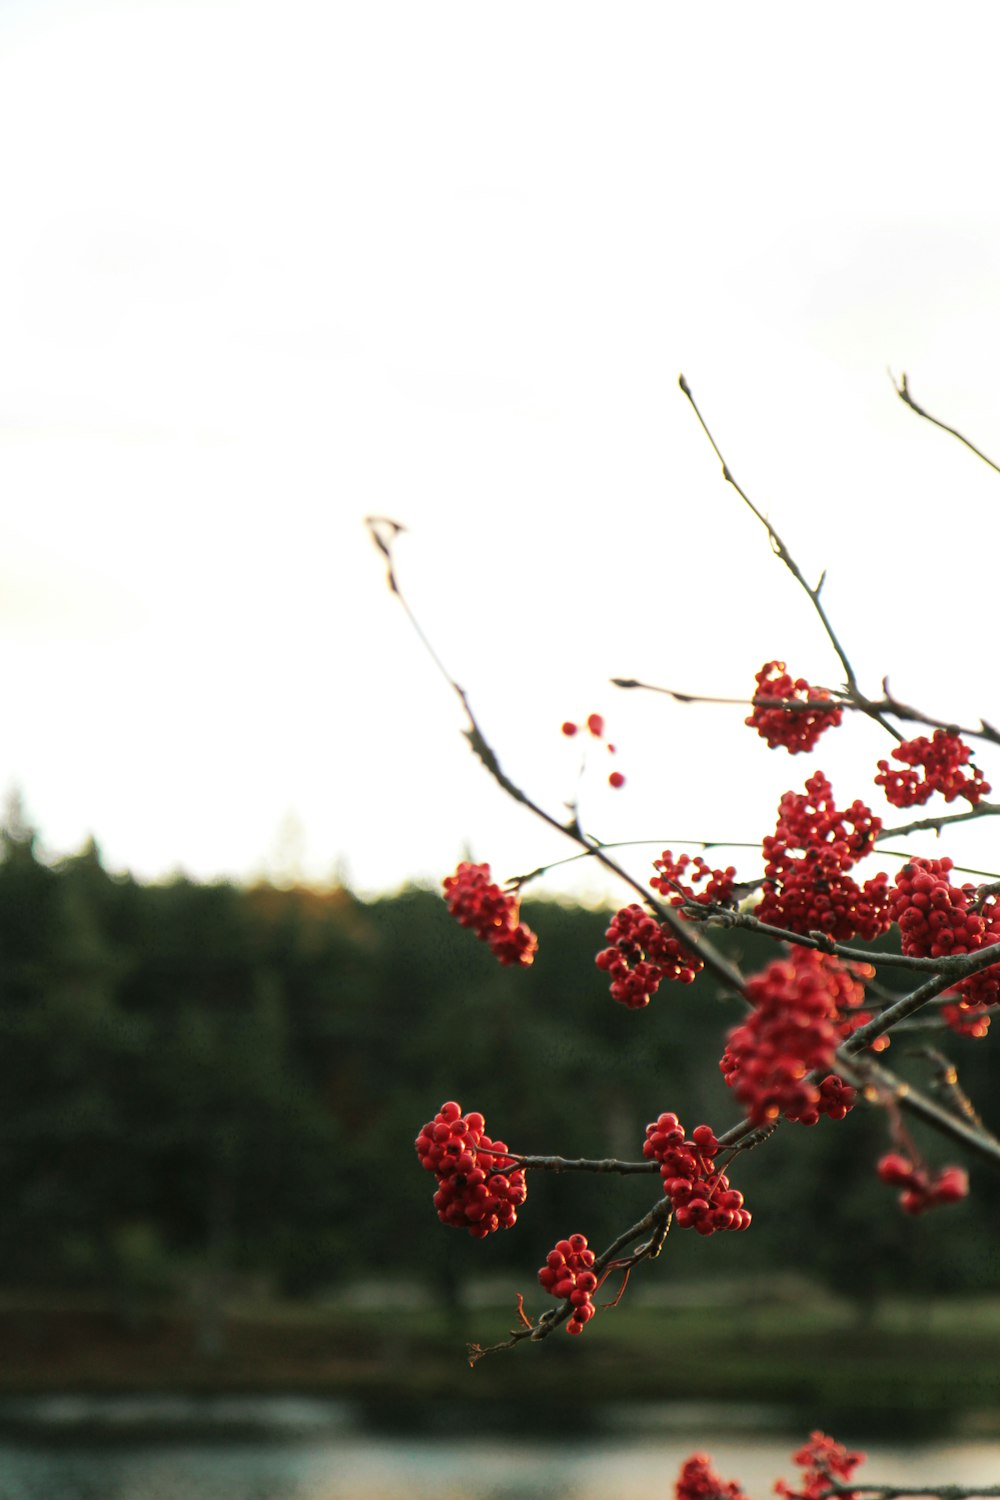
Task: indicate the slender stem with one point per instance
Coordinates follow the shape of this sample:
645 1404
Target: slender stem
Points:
906 1491
903 392
877 1081
934 825
710 957
575 1164
780 550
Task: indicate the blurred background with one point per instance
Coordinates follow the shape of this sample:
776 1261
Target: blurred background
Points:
265 271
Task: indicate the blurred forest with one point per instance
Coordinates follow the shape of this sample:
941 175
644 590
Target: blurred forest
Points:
206 1084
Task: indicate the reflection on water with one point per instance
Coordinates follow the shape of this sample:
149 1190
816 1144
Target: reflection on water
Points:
356 1467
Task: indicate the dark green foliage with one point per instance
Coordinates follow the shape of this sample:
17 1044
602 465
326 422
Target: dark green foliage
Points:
204 1079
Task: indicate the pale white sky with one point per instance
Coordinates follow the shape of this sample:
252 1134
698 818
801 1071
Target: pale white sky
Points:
266 268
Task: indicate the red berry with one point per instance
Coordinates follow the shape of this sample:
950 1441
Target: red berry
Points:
595 723
616 779
569 729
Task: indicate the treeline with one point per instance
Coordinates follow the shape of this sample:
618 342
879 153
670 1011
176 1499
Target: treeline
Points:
199 1082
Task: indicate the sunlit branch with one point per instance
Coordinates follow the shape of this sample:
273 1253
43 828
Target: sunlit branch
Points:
946 1084
879 1083
903 392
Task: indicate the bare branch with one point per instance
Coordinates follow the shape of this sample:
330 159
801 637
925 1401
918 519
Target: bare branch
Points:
711 958
572 1164
781 551
878 1083
903 392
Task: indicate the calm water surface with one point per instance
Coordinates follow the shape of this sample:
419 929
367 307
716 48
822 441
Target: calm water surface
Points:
350 1466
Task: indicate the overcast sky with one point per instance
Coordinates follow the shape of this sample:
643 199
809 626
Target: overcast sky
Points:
267 268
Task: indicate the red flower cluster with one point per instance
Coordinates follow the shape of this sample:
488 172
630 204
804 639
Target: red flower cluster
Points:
941 760
823 1460
937 920
804 1007
796 729
699 1481
806 885
568 1272
642 954
701 1196
920 1190
492 913
476 1190
719 887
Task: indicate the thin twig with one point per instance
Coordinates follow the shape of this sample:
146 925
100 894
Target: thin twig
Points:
935 825
878 1082
946 1084
710 957
906 1491
903 392
781 551
573 1164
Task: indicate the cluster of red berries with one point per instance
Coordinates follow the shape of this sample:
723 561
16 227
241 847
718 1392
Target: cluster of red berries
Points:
794 728
804 1007
826 1464
701 1196
594 723
806 885
920 1190
941 760
491 913
937 920
480 1187
699 1481
643 954
720 882
568 1272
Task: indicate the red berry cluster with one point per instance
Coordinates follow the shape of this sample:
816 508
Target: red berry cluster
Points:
595 724
920 1190
937 920
568 1272
642 954
699 1481
701 1196
806 885
941 760
669 883
827 1464
476 1190
492 913
796 729
804 1007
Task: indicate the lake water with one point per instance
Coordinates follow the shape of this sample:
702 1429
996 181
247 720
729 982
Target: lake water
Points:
316 1451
